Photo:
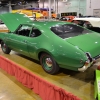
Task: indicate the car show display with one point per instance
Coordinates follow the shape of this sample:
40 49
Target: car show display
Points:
28 12
33 35
50 49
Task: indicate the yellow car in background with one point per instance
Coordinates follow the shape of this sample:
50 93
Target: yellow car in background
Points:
28 13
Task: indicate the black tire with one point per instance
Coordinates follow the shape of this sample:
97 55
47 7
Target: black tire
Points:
49 64
5 48
86 25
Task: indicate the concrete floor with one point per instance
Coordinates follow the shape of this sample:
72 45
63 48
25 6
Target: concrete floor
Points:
77 83
11 89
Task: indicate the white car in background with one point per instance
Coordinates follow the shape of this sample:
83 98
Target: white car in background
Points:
95 22
92 23
3 27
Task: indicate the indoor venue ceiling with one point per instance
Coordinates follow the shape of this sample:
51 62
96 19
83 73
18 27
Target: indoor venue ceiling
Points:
15 2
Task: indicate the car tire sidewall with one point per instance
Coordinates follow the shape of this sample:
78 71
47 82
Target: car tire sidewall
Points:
86 25
7 49
55 68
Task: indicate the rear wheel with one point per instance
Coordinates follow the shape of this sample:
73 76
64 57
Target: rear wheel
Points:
5 48
49 64
87 25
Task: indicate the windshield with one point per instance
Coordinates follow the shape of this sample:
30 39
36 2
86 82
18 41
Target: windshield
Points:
69 30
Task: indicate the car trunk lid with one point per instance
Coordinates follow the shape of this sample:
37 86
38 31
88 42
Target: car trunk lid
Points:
87 42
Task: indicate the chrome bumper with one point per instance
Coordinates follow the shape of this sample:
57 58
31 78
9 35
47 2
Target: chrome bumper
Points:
82 69
92 60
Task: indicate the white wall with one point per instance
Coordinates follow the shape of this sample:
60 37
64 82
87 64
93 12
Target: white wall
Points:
75 6
92 4
4 10
78 6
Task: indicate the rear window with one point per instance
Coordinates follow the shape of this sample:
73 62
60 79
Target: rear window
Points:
69 30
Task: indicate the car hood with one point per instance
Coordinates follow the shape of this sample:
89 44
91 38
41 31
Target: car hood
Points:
87 42
13 20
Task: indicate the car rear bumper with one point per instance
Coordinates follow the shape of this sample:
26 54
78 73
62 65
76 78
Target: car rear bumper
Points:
82 69
92 62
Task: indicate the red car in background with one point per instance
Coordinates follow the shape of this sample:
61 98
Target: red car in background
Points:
67 18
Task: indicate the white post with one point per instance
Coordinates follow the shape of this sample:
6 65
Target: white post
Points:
78 8
10 8
54 5
49 2
57 6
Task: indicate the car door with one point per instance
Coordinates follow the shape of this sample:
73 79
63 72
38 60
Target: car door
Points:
18 40
34 42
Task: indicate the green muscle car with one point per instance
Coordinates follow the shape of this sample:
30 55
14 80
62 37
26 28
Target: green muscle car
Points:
55 44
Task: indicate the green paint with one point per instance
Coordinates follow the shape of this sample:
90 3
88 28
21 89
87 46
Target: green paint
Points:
68 53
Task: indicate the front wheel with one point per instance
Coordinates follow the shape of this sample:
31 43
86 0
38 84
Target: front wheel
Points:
5 48
49 64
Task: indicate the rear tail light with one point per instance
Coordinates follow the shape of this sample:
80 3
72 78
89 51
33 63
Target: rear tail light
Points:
87 63
89 56
98 67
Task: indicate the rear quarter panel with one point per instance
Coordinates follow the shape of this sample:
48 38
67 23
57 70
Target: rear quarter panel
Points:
62 52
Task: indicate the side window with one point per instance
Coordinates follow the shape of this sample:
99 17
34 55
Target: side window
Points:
24 30
35 33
